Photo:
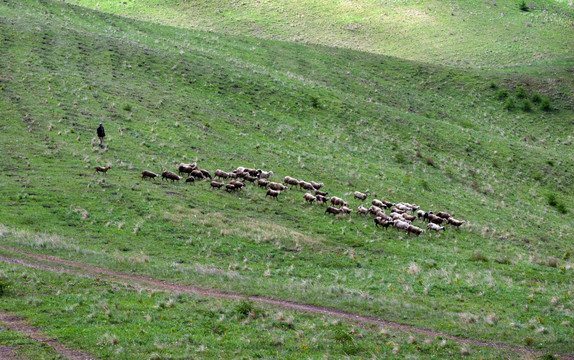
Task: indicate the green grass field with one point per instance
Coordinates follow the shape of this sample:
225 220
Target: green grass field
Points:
410 129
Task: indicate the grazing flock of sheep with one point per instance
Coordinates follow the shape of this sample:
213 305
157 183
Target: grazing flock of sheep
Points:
401 215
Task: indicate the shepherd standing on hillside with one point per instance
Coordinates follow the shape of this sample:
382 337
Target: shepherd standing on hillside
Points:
101 134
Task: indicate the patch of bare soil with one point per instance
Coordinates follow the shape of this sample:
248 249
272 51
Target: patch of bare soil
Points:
159 285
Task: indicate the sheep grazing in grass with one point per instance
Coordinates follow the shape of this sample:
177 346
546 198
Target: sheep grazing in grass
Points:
205 174
306 185
237 184
443 214
399 224
402 207
102 169
409 217
435 227
377 203
362 210
346 210
190 179
379 221
216 184
309 198
421 214
333 210
250 178
414 230
231 187
338 201
291 181
277 186
322 193
197 174
186 168
149 174
322 199
253 172
220 174
375 209
262 183
387 204
265 174
170 176
361 196
455 222
435 219
273 193
317 185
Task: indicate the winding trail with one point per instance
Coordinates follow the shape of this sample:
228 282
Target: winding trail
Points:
50 263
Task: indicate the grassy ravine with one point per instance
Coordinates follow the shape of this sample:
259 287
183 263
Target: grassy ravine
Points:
412 132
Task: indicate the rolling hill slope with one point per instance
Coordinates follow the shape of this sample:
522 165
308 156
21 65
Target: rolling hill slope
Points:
407 131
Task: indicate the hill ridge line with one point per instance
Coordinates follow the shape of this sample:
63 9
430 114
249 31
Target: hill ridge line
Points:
160 285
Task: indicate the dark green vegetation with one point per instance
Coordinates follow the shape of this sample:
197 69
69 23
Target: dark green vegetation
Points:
414 132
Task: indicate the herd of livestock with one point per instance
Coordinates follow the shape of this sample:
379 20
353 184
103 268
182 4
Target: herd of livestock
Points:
401 215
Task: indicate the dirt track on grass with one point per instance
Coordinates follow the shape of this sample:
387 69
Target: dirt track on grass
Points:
50 263
18 324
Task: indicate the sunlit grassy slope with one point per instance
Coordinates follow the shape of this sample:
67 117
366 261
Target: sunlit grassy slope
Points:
407 131
491 34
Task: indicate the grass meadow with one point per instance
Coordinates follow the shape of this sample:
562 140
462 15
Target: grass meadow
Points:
491 146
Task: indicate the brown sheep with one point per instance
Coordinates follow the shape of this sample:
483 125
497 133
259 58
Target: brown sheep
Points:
306 185
149 174
238 184
377 203
346 210
379 221
262 183
409 217
435 219
186 168
317 185
197 174
309 198
273 193
333 210
322 199
414 230
170 176
102 169
220 174
277 186
361 196
216 184
443 214
362 210
454 222
338 201
291 181
322 193
231 187
206 174
190 179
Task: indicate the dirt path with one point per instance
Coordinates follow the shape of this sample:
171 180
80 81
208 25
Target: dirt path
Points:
16 323
153 284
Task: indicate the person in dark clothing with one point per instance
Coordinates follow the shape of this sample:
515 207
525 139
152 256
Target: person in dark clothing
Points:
101 134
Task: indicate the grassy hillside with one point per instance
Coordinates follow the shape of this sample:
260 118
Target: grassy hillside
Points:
491 34
407 131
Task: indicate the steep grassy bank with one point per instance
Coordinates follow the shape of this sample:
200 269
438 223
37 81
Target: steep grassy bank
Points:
407 131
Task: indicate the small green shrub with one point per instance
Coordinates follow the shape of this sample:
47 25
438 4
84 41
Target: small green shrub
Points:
509 104
523 6
430 161
502 94
545 104
528 341
4 285
493 85
554 202
526 105
536 98
479 256
127 107
520 93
